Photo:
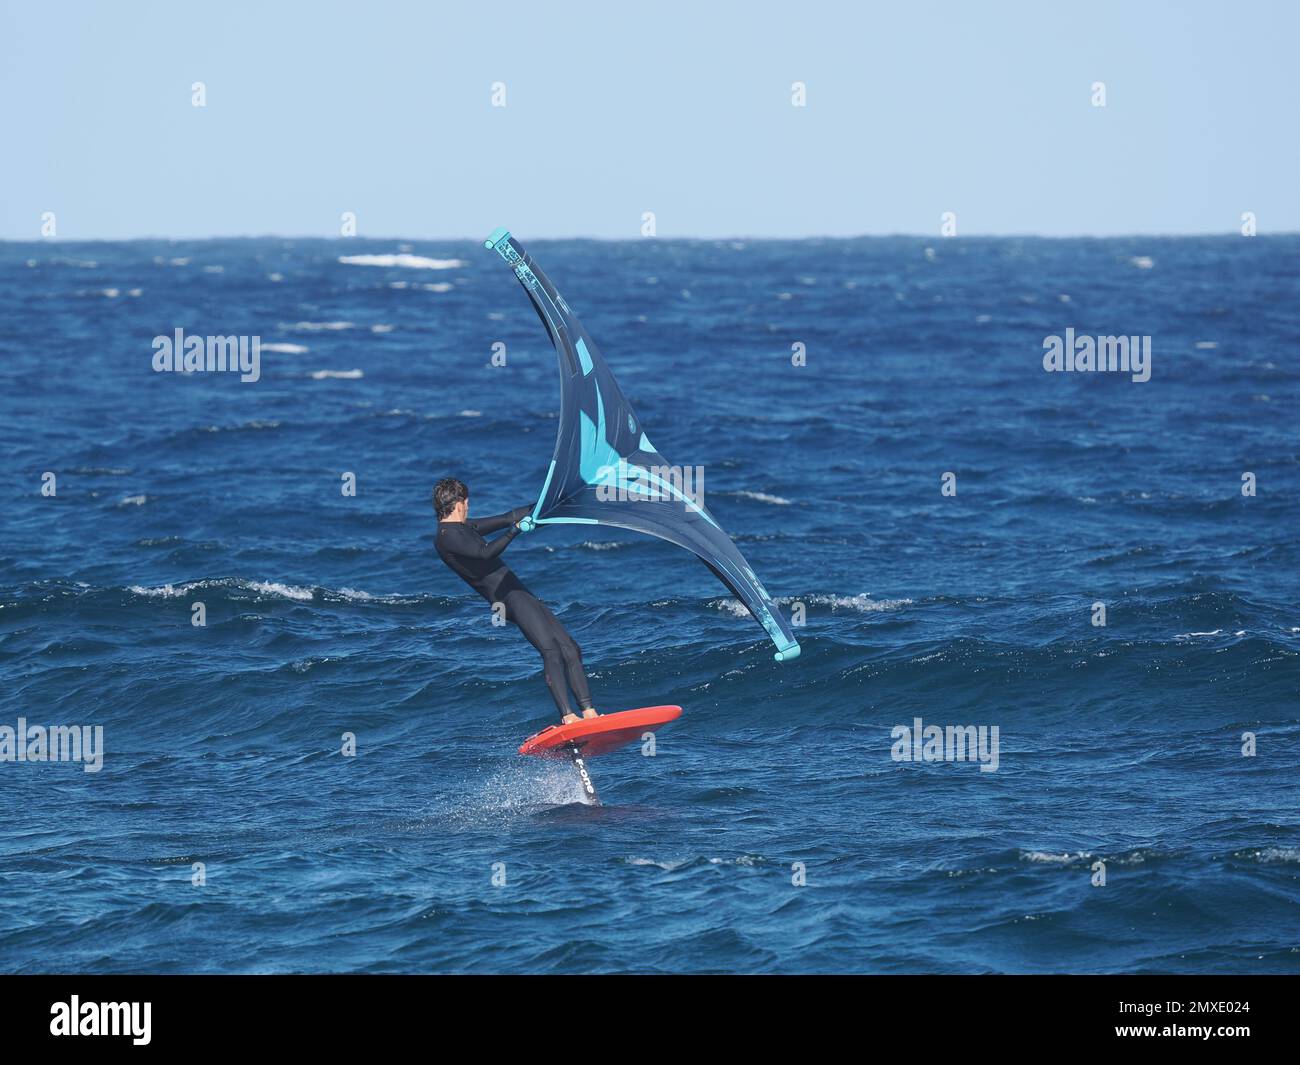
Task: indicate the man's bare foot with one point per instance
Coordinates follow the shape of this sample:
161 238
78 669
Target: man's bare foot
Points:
590 712
570 719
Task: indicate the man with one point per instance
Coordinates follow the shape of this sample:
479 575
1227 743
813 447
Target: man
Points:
478 563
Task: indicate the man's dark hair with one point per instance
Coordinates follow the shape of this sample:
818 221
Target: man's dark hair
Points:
446 494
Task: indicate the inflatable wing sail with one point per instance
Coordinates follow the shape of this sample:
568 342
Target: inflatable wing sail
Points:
606 471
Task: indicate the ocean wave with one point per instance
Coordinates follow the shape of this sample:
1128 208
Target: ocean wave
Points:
1268 855
286 591
672 865
342 375
1139 856
1046 858
255 424
1124 859
354 595
861 603
267 588
276 589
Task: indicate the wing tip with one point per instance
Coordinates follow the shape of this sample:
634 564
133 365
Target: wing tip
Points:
788 653
496 237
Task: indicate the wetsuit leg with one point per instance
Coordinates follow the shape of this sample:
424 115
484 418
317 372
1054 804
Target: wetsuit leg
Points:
561 656
573 669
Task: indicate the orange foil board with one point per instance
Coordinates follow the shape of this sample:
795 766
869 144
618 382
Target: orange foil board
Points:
599 735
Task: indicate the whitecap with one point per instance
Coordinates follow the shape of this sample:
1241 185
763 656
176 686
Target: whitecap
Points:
862 603
171 591
1042 857
412 262
1278 854
287 591
167 591
763 497
357 596
667 867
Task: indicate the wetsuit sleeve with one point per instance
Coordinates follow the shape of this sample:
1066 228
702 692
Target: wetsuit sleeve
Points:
483 526
474 547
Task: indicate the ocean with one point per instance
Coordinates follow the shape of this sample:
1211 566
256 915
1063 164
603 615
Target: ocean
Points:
1101 569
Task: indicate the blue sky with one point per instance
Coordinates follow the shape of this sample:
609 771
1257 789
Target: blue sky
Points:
384 109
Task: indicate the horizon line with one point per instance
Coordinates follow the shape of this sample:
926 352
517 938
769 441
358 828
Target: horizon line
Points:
1137 235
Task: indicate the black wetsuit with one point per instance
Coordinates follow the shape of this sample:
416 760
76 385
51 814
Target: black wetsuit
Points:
478 564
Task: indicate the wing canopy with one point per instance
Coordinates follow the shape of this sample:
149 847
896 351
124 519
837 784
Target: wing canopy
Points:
605 471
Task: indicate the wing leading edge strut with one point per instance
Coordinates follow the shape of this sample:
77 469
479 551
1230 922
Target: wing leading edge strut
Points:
605 471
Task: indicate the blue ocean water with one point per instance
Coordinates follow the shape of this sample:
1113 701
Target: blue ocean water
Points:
772 831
